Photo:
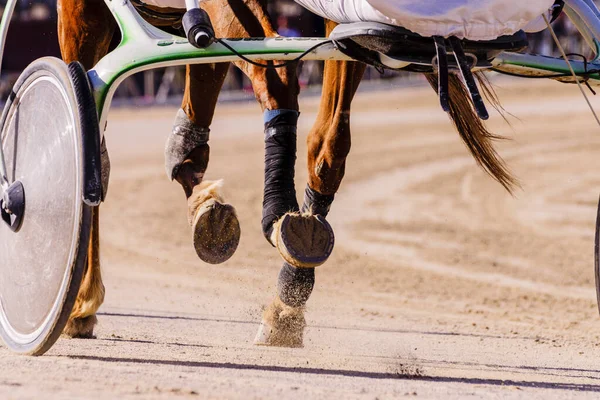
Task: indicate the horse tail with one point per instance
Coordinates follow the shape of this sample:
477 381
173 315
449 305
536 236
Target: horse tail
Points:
473 132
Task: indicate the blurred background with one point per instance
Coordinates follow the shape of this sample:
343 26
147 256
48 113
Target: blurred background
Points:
33 34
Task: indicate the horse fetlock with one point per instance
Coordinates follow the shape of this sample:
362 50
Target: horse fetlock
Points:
85 307
281 326
215 226
295 285
191 172
303 240
185 137
316 203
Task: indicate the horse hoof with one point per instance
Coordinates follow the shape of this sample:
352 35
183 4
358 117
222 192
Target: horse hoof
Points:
263 335
216 232
268 336
304 241
81 328
281 326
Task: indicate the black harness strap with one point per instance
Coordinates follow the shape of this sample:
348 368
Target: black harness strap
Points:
442 67
465 70
158 18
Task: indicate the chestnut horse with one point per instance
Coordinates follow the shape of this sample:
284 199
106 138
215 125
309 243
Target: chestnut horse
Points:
86 28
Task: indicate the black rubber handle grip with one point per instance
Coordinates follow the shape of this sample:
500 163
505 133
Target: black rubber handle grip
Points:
198 28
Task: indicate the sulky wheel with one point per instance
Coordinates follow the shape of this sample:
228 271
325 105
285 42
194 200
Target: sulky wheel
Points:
50 140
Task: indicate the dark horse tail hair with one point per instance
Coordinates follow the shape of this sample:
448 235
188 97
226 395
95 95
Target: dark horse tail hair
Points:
473 132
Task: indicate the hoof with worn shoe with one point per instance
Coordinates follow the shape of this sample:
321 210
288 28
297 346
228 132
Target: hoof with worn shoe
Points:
303 240
216 229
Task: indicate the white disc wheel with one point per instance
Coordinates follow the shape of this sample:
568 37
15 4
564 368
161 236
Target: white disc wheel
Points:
48 141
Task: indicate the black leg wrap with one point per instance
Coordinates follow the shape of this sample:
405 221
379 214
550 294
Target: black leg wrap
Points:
295 285
280 159
317 203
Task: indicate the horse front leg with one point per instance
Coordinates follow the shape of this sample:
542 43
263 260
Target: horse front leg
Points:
277 91
85 29
215 227
328 146
301 240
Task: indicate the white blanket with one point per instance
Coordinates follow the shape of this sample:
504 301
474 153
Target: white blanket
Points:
471 19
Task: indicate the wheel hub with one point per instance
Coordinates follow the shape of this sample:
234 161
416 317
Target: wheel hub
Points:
12 205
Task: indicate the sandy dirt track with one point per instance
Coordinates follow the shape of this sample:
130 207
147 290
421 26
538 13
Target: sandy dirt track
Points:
441 284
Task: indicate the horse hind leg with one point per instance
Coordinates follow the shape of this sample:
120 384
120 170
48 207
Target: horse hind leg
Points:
215 227
91 292
85 29
328 146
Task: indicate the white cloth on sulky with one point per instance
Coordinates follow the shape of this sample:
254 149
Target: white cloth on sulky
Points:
470 19
166 3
